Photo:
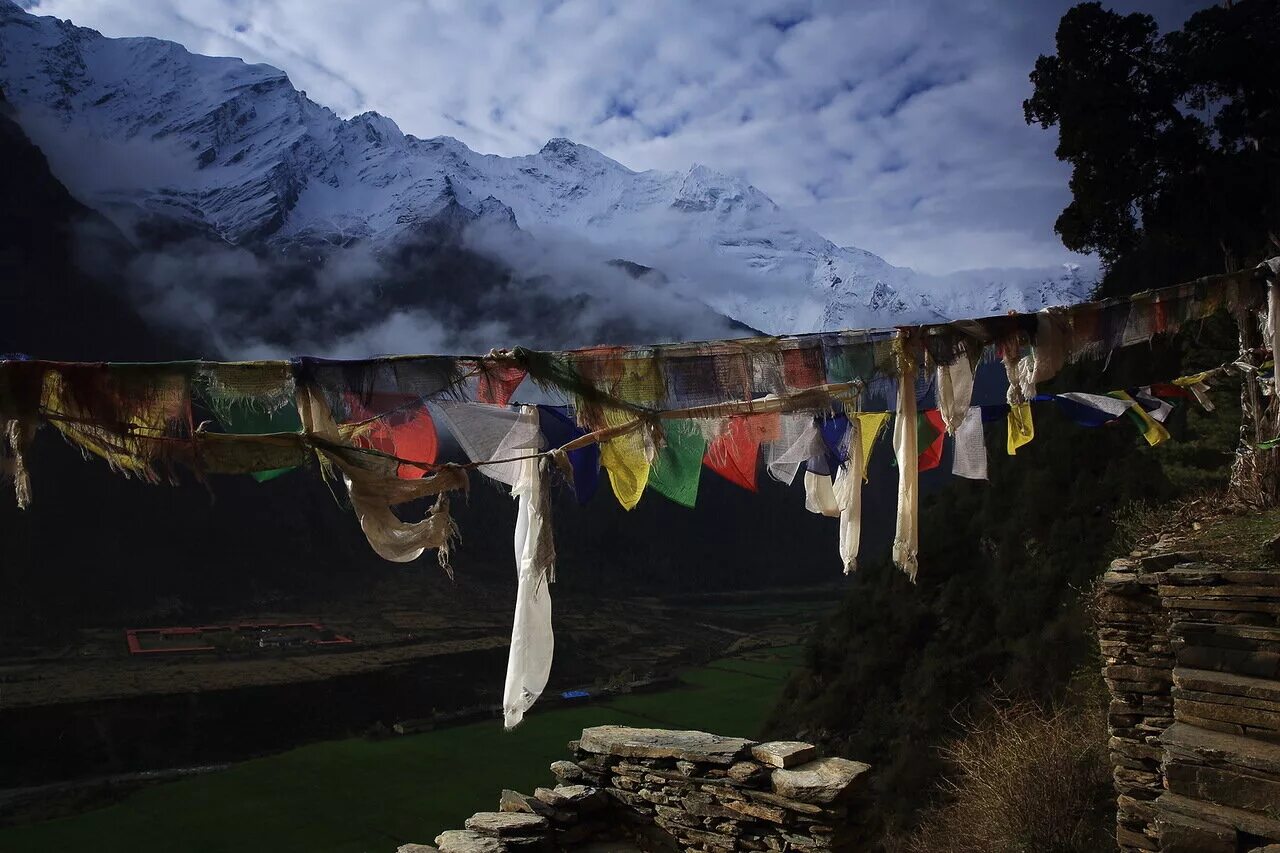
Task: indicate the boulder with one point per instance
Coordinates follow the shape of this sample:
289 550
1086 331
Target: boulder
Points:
784 753
822 781
661 743
504 824
462 841
747 773
566 770
514 801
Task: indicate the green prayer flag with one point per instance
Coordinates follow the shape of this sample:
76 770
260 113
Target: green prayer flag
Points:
240 418
925 435
676 471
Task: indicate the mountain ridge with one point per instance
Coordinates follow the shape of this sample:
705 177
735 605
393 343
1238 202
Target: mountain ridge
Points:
234 151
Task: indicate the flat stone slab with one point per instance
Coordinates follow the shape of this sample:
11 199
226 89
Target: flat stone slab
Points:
462 841
504 824
662 743
823 781
784 753
416 848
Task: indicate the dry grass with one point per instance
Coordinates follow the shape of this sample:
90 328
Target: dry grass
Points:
1024 779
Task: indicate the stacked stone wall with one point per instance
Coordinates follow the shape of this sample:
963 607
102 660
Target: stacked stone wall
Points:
657 790
1191 647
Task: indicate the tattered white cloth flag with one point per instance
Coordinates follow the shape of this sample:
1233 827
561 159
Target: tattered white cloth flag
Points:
955 391
1158 409
970 455
1112 406
532 640
488 432
906 540
799 441
848 495
819 497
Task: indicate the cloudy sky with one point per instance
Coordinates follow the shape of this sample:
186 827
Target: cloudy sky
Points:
892 125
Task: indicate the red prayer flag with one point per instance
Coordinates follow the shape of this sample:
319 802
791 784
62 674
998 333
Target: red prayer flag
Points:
733 454
932 455
803 367
403 428
497 384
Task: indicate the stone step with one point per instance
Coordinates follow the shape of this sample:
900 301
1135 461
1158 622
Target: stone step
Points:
506 824
1249 822
1228 713
663 743
1253 664
1206 632
1187 742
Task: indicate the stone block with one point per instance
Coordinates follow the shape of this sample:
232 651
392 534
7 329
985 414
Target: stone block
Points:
692 746
1183 834
463 841
566 771
747 773
784 754
505 824
822 781
514 801
759 811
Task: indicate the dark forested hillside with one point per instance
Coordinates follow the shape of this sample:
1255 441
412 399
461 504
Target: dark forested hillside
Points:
1173 142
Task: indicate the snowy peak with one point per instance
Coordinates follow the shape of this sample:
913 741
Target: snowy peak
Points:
235 151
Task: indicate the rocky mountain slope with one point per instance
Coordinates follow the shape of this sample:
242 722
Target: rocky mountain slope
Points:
184 145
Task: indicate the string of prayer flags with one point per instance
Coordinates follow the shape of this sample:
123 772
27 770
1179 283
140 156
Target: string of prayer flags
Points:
1022 428
678 468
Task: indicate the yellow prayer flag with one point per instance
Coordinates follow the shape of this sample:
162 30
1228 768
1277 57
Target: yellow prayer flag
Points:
1152 430
626 460
1021 427
869 426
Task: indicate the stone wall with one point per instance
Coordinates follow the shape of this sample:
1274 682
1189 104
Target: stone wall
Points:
658 790
1191 649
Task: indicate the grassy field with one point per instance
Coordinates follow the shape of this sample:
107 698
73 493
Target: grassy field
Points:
358 795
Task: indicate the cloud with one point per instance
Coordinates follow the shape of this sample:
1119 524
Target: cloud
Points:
895 126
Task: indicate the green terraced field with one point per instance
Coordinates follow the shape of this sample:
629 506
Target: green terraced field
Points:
357 795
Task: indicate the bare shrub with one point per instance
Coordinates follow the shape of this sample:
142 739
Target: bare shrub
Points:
1023 779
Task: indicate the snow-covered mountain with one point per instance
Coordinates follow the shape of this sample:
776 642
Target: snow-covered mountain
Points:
155 136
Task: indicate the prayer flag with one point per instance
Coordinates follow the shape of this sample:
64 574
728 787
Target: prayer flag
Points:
1152 430
626 459
930 433
678 468
1021 428
970 459
399 425
243 418
560 429
733 454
